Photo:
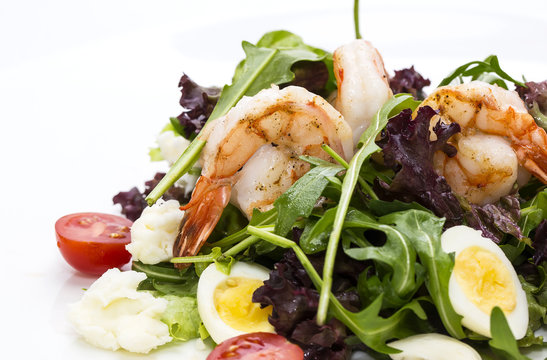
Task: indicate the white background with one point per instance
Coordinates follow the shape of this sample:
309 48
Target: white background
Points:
85 86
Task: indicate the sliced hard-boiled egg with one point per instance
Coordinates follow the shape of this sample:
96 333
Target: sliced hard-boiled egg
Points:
432 347
483 278
225 301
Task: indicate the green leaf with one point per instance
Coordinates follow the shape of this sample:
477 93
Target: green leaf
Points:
482 70
397 252
424 231
502 337
300 199
374 330
165 272
182 317
533 213
266 63
316 233
536 313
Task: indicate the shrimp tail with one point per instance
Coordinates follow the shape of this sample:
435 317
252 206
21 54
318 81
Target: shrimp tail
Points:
200 217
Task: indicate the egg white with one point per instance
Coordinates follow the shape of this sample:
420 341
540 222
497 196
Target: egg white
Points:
209 280
458 238
432 347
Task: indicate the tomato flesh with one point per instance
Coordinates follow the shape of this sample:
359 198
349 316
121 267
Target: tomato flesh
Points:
257 346
93 242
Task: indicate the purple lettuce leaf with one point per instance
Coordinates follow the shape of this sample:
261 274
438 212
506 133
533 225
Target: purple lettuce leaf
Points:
534 92
408 149
540 243
496 220
409 81
294 299
311 75
133 201
198 103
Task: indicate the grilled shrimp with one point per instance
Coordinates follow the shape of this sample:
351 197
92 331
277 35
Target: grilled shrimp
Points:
254 150
363 85
497 136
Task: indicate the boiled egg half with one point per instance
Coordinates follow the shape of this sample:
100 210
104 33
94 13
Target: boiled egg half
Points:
225 301
432 347
483 278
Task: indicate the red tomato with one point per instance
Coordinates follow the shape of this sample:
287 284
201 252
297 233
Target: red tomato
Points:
92 242
257 346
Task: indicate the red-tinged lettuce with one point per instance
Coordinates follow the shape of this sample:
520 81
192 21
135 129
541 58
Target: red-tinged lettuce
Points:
311 75
409 81
496 220
133 201
540 244
534 92
198 103
294 299
535 97
408 149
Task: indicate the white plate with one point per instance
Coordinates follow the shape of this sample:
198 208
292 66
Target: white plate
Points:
86 86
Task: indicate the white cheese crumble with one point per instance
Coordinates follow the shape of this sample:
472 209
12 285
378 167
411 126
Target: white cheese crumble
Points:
154 233
112 314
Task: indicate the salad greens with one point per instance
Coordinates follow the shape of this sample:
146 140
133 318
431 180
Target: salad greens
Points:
356 246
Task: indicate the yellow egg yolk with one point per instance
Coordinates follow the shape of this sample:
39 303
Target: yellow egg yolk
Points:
233 302
484 279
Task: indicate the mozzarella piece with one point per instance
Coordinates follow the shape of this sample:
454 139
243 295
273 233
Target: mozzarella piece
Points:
112 314
155 232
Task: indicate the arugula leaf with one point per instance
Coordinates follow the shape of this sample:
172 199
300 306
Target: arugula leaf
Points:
502 337
397 252
533 212
424 232
266 63
482 70
301 197
315 235
165 272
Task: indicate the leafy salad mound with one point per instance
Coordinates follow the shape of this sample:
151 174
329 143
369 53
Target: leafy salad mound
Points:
354 247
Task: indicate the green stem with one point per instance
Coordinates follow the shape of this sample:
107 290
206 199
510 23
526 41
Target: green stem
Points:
179 168
241 246
356 19
364 185
195 259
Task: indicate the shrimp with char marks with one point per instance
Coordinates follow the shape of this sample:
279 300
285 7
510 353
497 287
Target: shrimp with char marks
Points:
274 126
497 135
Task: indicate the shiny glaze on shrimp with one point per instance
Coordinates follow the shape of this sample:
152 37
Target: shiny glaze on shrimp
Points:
363 85
494 121
273 126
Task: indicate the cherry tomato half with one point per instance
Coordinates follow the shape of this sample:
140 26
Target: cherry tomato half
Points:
93 242
257 346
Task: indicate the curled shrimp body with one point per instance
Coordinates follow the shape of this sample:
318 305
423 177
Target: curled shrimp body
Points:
497 135
363 85
254 149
